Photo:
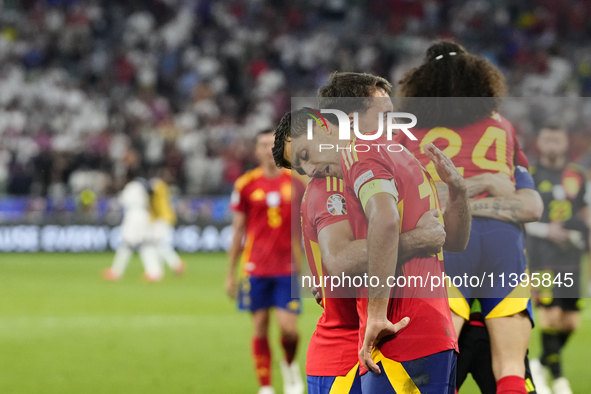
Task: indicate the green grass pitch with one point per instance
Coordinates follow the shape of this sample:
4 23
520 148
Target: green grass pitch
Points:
63 329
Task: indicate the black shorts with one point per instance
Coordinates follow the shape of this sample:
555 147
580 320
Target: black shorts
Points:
475 358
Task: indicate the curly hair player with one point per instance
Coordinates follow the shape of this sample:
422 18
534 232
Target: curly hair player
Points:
455 96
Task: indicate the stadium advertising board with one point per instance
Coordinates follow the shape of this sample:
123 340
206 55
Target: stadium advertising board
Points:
90 238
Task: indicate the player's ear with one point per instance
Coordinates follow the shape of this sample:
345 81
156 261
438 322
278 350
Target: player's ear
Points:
330 129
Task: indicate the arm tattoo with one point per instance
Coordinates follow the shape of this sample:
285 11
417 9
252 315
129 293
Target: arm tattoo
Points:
506 209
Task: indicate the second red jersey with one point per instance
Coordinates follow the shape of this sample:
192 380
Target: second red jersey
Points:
430 329
267 204
489 145
333 346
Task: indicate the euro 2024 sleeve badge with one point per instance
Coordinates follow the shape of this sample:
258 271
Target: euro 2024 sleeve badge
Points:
336 205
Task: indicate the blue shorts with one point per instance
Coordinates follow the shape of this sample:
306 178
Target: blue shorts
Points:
267 292
495 248
433 374
348 384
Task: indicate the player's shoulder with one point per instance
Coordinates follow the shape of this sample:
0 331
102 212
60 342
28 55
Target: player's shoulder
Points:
319 189
502 122
494 120
312 191
574 168
248 177
359 150
326 194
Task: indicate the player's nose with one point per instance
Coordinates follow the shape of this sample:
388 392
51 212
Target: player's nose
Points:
309 169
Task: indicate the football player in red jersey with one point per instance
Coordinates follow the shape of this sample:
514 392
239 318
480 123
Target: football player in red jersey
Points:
262 201
352 85
364 85
332 250
462 93
432 330
520 204
324 217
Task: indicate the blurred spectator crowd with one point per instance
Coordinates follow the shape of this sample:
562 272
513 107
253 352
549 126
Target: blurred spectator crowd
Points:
93 92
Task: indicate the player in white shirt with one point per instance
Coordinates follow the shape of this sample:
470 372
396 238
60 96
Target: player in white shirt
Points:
135 234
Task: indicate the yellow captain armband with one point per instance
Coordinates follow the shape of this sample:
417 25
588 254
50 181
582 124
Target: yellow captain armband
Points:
376 186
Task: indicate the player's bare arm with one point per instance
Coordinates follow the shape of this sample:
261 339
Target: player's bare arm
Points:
498 185
239 229
524 206
341 253
427 238
555 231
382 244
506 204
457 216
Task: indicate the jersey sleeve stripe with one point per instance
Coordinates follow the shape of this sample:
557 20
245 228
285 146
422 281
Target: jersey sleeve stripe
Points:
349 155
355 157
400 207
315 248
345 160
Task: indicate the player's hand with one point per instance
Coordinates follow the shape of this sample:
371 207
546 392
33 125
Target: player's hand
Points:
317 296
432 232
557 233
374 332
231 287
500 185
447 171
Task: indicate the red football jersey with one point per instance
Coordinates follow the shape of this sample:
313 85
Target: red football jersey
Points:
333 346
267 203
489 145
430 329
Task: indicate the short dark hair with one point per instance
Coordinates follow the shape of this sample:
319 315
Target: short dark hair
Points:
344 90
448 70
292 125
